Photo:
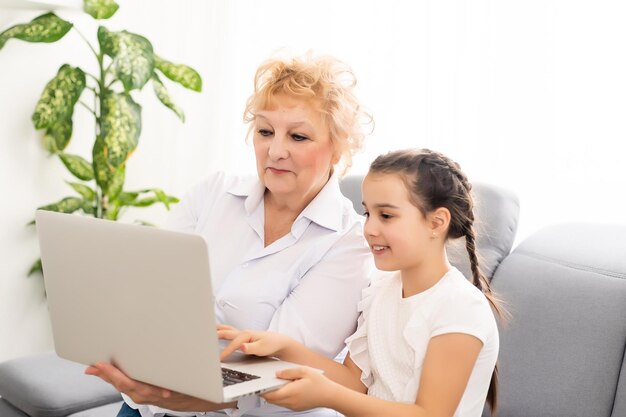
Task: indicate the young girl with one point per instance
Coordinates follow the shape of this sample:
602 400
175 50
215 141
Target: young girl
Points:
427 341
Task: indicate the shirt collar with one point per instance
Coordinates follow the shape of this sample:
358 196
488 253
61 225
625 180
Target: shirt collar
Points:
326 209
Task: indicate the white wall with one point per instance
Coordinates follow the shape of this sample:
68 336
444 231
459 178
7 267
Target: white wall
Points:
170 154
528 95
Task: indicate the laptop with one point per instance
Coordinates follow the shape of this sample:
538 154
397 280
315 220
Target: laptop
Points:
141 298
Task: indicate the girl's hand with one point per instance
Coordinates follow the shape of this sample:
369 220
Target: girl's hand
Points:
252 342
142 393
309 389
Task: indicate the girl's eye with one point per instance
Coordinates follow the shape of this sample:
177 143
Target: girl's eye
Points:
366 214
265 132
298 138
385 216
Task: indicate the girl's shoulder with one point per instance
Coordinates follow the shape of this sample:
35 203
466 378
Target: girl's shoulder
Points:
456 307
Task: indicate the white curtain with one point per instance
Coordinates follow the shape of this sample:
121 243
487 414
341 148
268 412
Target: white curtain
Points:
526 95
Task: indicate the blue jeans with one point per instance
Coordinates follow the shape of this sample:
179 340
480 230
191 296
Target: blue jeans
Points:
126 411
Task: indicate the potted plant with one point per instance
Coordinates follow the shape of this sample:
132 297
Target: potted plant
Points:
126 63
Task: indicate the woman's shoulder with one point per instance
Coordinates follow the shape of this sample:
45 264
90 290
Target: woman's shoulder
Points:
219 182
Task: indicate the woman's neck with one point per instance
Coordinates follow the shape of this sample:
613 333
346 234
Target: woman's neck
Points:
279 216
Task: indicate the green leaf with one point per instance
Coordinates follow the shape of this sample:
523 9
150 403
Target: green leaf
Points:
108 177
148 201
119 135
133 58
78 166
67 205
180 73
163 95
144 223
45 28
126 198
113 211
114 187
36 268
162 197
100 9
57 101
88 207
58 136
87 192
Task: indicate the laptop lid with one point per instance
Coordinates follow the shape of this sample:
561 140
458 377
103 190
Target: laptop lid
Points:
136 296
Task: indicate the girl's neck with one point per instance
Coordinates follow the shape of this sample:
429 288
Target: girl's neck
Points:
423 276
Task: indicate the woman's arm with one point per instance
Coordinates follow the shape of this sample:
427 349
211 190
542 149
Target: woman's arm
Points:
142 393
288 349
447 367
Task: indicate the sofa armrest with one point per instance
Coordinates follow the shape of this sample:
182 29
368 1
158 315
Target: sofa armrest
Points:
48 386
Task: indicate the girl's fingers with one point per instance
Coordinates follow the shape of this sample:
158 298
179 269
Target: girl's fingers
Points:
235 344
227 334
292 373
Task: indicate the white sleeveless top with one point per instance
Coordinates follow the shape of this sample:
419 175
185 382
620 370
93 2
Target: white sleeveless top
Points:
393 333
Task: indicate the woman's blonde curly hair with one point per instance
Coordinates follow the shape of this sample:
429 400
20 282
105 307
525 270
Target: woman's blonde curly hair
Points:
329 83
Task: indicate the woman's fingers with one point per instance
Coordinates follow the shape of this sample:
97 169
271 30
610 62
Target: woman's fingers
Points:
140 392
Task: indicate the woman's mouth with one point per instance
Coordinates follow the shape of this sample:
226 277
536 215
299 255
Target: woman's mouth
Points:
278 171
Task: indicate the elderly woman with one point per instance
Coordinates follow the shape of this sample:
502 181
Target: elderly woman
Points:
286 249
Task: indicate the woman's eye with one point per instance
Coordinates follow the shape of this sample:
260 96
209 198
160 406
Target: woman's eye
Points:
265 132
298 138
385 216
366 214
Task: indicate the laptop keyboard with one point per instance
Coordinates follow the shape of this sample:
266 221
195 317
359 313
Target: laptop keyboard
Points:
230 377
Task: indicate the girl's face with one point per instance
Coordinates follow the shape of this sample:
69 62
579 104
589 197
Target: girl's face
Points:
294 153
399 235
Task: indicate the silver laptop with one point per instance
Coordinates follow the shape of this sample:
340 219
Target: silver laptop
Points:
141 298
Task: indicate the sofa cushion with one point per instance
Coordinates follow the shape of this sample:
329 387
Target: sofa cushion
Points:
562 352
107 410
7 410
496 212
63 390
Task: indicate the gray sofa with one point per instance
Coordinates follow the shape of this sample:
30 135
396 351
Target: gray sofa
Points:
562 354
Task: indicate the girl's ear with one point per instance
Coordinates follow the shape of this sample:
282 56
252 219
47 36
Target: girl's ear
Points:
440 221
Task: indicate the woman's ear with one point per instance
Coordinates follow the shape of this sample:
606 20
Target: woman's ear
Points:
440 221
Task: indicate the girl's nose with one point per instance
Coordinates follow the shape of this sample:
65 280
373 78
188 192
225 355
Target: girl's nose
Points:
370 228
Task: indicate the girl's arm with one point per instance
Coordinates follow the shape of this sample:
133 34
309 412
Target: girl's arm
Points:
288 349
446 370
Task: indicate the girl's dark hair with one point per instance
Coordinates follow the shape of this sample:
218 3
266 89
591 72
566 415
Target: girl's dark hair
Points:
436 181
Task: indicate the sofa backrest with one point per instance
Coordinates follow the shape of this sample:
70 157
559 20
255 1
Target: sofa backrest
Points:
562 354
496 211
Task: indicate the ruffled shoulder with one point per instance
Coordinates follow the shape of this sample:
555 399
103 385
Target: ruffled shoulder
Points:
357 343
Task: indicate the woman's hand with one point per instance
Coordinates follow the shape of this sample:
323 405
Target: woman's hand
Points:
142 393
252 342
309 389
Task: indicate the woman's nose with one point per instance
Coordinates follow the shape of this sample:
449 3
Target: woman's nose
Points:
278 148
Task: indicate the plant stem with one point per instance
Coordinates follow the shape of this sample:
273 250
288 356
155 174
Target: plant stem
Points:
86 41
113 81
88 108
96 79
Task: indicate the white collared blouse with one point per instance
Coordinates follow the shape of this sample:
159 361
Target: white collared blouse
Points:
307 284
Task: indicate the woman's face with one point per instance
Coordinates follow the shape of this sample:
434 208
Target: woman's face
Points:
294 153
